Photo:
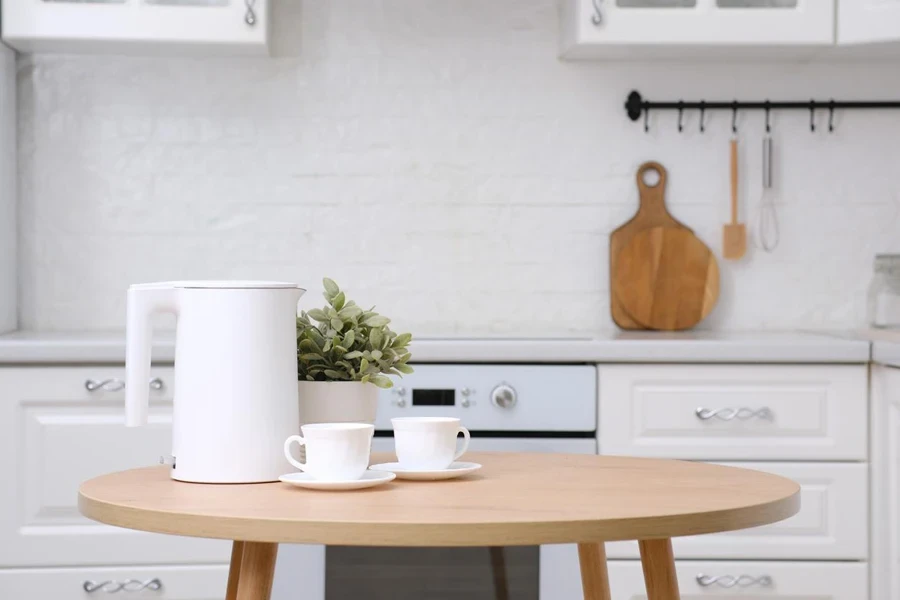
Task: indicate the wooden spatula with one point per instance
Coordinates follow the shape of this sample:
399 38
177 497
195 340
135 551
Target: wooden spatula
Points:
734 239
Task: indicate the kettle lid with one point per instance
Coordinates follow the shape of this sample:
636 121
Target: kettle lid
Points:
219 285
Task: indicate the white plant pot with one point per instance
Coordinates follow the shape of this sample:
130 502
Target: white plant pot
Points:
337 402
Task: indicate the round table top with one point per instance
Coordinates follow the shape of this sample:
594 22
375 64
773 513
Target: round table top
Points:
515 499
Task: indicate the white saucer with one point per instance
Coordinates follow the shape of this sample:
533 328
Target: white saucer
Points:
456 469
368 479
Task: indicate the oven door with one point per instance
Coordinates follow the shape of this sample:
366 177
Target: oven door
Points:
500 573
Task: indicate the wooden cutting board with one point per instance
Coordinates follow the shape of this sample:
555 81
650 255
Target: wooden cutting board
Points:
666 278
651 212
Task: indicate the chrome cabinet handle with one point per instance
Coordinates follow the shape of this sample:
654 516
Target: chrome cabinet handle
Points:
597 17
114 384
129 585
730 581
730 414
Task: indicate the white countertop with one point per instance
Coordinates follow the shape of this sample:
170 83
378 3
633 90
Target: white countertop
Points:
628 347
885 347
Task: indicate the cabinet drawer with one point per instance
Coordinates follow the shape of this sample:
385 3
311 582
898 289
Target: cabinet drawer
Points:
749 580
54 434
832 523
204 582
723 412
709 580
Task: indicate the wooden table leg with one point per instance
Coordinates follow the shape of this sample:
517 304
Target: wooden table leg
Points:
234 571
257 571
594 574
498 568
659 569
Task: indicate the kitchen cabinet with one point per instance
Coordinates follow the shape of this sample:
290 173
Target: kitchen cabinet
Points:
8 174
716 580
58 427
137 26
885 433
735 412
630 27
196 582
868 21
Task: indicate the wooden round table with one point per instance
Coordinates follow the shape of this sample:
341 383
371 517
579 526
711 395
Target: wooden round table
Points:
516 499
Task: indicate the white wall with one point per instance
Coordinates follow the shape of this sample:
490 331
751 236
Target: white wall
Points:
8 259
437 160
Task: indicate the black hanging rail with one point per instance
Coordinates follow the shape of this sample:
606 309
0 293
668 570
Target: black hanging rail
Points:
637 106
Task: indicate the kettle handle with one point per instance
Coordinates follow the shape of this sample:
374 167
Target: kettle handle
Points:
143 302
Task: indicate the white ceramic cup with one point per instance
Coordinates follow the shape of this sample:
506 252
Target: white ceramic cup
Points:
334 451
428 443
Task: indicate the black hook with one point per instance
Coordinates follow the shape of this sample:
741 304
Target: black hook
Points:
768 125
680 116
812 116
702 115
646 120
831 116
734 109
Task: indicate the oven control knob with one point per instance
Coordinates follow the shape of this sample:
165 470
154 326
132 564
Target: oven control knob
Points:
503 396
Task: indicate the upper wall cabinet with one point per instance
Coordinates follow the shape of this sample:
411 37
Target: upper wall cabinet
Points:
137 26
868 21
639 28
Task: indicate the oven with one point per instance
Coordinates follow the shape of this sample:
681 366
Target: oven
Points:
510 408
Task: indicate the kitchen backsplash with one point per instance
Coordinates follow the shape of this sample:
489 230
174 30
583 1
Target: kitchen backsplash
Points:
437 160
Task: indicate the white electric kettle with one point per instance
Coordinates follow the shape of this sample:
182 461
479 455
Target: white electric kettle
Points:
235 375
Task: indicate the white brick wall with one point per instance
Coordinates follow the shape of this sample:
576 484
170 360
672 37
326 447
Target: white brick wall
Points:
437 160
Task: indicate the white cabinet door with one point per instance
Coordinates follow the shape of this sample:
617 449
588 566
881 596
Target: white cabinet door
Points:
200 582
832 524
54 434
8 260
139 26
735 412
697 23
868 21
885 483
712 580
749 581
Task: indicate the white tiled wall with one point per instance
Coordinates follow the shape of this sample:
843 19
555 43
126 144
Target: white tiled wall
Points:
439 161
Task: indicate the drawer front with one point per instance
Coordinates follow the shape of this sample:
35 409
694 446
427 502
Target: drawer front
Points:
712 580
724 412
205 582
54 434
832 522
749 581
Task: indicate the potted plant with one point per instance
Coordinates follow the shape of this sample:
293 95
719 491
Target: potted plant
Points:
344 355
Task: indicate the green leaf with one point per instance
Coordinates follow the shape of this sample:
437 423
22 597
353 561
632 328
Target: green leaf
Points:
375 338
376 321
330 286
310 378
404 368
316 336
349 312
352 355
337 324
382 381
349 338
340 350
327 346
376 354
363 365
401 340
337 375
365 379
311 356
309 345
318 314
338 301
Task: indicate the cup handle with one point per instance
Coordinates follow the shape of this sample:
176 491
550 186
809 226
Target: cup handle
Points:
287 451
465 444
